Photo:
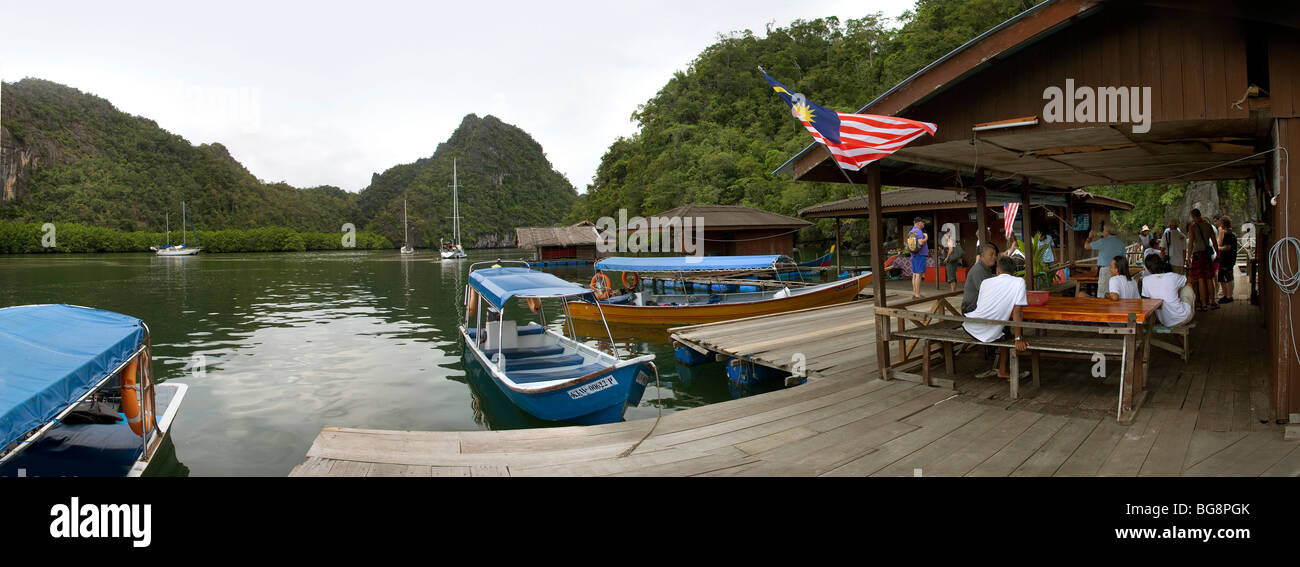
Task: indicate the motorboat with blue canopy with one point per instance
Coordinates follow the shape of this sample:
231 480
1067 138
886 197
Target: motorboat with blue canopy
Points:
676 264
77 396
551 376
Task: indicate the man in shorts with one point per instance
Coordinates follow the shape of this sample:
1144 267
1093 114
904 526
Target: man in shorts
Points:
1227 259
1200 271
920 256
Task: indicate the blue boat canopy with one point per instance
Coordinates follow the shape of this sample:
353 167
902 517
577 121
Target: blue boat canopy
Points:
691 263
54 355
498 285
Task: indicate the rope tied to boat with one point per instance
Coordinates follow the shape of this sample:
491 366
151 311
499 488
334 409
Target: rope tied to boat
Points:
660 405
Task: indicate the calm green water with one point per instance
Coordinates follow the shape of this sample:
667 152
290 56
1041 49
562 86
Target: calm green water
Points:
291 343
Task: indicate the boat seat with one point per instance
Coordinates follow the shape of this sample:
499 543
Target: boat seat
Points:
528 377
542 362
529 329
527 352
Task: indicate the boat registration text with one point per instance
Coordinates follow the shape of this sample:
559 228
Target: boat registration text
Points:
593 387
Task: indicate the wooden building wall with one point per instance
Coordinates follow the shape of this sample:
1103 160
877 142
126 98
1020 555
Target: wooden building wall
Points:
749 242
1196 65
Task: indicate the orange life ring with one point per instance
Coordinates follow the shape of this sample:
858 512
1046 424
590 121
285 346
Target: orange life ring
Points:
471 303
534 304
601 285
633 283
131 400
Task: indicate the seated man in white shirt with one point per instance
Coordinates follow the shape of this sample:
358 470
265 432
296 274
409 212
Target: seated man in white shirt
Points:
1001 297
1172 288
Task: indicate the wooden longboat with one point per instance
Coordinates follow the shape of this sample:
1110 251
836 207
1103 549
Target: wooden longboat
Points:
695 308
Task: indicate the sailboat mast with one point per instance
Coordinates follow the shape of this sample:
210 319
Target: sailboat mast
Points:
455 201
168 219
406 238
184 239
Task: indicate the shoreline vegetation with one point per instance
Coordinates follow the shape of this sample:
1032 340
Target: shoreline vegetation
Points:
30 238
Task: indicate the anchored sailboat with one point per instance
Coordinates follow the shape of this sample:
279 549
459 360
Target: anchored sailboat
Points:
181 249
451 250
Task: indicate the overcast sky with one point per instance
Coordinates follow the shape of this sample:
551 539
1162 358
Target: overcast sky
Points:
327 93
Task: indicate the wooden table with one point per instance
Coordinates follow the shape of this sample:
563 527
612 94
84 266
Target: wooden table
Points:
1137 317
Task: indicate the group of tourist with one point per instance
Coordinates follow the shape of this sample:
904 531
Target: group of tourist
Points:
1202 252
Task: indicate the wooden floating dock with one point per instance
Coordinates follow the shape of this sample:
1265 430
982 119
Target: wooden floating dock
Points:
825 340
1206 418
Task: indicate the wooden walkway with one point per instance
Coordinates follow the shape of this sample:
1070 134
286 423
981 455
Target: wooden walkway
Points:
1206 418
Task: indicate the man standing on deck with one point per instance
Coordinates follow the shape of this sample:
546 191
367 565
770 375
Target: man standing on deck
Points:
920 256
1174 244
1201 245
1108 247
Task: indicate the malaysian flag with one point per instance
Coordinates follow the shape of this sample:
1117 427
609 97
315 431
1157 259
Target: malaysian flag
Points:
854 140
1009 211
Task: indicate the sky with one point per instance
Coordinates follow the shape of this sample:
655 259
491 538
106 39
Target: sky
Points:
329 93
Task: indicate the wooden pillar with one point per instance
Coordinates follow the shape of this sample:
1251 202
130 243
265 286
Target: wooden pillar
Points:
838 269
981 206
1027 229
1068 233
878 266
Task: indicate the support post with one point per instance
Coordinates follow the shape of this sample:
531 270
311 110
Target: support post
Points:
1068 234
838 269
1027 229
878 266
982 206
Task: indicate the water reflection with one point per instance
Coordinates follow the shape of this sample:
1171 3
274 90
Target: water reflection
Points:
293 343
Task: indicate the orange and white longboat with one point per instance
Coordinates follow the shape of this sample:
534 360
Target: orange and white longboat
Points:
677 309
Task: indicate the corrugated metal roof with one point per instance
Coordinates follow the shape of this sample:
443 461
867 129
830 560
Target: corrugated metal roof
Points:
918 197
735 216
533 237
910 196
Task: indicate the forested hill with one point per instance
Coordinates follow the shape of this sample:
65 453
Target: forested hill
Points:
505 181
715 131
73 157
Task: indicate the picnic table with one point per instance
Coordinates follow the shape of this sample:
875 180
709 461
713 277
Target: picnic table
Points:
1086 326
1135 314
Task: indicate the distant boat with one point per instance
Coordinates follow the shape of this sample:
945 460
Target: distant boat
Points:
406 238
547 374
181 249
82 399
452 250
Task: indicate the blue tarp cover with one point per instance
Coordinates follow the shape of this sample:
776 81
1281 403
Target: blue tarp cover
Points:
51 355
498 285
690 263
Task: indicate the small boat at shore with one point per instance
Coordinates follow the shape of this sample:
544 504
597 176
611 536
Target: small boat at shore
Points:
77 395
679 309
548 375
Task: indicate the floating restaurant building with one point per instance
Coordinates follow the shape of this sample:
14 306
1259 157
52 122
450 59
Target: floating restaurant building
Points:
1077 93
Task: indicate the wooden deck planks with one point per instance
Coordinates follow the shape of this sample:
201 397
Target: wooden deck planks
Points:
1198 421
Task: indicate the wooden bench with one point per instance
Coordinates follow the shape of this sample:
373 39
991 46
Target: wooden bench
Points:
947 331
1184 347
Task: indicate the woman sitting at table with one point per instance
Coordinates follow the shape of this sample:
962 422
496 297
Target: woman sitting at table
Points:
1121 285
1172 288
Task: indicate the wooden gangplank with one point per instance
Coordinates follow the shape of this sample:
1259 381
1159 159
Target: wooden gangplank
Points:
818 340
